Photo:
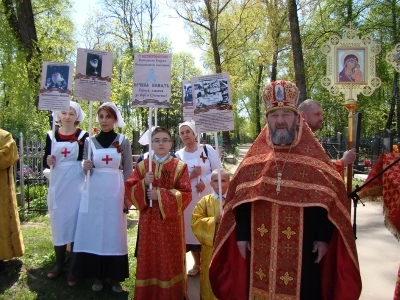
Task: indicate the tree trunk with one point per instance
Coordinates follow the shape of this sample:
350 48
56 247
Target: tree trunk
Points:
300 77
22 23
217 57
20 18
258 98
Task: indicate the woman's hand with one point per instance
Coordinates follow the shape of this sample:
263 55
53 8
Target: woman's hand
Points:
87 165
149 178
196 172
200 186
51 160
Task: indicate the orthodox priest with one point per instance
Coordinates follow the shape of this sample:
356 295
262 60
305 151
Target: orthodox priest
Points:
285 231
11 243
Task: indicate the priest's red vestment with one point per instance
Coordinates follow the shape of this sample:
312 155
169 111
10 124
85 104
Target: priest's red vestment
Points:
272 269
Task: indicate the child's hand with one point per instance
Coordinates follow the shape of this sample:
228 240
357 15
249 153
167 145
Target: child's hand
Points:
152 194
218 219
127 203
149 178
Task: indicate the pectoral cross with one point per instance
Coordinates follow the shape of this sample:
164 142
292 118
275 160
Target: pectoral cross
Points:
278 182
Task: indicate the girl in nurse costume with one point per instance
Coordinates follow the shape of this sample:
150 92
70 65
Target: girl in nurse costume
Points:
66 182
201 163
101 233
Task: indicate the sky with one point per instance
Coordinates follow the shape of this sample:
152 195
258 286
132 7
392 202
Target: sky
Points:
172 27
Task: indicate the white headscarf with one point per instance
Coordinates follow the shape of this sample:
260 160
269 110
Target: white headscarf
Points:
144 139
120 122
80 115
190 124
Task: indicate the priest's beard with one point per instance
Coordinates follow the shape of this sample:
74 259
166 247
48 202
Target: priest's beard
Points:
283 137
56 78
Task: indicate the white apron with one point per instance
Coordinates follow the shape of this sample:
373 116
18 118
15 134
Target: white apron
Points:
65 190
101 227
192 159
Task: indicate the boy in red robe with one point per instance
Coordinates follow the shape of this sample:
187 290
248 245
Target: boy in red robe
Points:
161 270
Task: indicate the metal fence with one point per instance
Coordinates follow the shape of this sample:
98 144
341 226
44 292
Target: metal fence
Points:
29 174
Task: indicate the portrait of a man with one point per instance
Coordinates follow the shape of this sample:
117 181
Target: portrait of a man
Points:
56 77
351 65
188 93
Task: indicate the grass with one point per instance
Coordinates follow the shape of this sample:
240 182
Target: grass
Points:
29 281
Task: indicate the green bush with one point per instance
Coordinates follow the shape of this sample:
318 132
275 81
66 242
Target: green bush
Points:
36 195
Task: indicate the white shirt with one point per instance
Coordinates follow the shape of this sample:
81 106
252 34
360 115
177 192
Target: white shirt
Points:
162 159
216 196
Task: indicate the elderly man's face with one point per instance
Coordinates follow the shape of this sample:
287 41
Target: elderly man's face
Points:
282 126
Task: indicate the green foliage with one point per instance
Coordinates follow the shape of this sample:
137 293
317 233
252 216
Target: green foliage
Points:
248 38
19 88
36 195
30 281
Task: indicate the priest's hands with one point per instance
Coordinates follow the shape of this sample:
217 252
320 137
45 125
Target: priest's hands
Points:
243 246
87 165
149 178
51 160
321 248
349 156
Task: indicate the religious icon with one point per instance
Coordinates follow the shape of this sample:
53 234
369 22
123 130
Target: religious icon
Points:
397 58
351 65
278 92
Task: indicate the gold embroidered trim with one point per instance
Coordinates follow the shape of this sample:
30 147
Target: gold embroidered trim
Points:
160 283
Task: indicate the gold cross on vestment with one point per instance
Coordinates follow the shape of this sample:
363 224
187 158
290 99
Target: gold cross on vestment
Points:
278 182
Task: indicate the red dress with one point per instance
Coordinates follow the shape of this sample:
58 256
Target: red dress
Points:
161 270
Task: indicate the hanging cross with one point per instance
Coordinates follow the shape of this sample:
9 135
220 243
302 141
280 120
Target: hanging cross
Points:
203 157
106 159
278 182
65 152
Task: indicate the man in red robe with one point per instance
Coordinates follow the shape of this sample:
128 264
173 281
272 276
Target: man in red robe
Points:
161 270
386 187
286 231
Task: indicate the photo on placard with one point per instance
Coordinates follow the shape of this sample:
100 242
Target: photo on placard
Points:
56 78
351 65
93 64
211 92
188 94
